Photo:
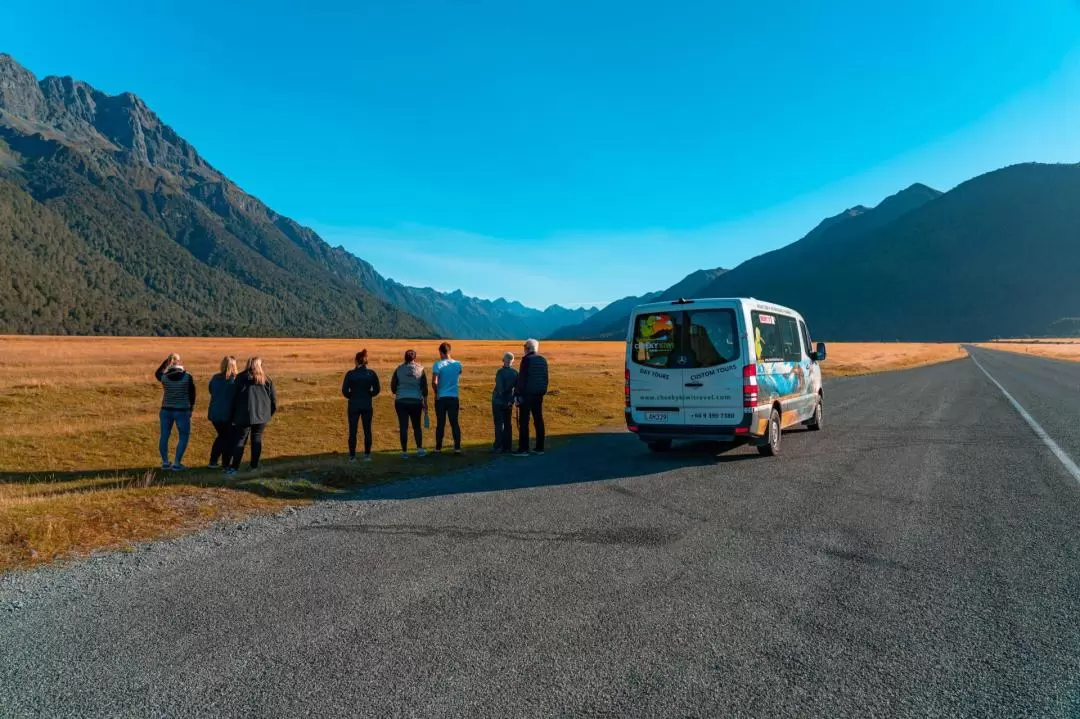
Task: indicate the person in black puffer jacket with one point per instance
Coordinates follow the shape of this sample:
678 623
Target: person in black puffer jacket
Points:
360 386
253 405
532 385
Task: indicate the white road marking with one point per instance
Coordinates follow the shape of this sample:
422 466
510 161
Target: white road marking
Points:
1065 459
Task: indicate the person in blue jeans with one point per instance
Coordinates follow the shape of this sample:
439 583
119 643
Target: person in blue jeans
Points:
177 402
445 374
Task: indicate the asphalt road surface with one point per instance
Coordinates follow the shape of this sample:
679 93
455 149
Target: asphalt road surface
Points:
920 557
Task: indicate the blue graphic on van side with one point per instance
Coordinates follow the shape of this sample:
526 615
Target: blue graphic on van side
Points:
781 379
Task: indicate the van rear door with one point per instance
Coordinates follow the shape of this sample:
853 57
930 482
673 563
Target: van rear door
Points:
653 362
712 387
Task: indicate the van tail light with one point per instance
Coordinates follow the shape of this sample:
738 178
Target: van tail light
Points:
750 386
626 386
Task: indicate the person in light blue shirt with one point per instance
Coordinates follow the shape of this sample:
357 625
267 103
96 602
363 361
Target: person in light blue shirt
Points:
446 373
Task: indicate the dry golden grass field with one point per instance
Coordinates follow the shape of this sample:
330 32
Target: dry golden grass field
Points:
78 440
1063 349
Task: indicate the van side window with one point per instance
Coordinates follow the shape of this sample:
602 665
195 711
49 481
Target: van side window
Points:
789 338
767 337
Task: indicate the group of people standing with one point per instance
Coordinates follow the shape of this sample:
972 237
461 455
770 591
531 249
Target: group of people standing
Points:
241 405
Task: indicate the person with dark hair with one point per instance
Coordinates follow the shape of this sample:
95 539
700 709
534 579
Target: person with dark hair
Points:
410 389
532 385
254 404
222 388
445 375
502 405
177 403
360 386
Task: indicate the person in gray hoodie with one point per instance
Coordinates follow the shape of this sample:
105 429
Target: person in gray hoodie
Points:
360 386
502 404
222 390
176 405
410 389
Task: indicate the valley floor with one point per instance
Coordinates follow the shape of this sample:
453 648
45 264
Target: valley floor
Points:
78 461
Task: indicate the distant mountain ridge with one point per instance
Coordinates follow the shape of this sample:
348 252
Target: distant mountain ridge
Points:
611 322
158 241
996 256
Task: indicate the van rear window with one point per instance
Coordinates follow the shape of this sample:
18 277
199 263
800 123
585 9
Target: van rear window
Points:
686 339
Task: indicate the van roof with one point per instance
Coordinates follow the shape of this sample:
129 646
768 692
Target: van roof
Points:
707 302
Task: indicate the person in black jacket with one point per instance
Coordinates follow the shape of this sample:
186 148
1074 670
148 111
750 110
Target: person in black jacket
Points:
502 405
532 385
177 403
222 389
360 386
253 405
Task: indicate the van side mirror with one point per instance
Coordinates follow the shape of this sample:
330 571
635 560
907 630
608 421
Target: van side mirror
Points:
820 354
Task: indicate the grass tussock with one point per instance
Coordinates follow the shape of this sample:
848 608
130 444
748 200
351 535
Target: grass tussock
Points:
78 445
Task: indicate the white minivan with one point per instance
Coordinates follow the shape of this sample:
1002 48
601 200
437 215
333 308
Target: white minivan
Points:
728 370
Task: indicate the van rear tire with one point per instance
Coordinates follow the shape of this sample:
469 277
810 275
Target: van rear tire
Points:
660 445
771 448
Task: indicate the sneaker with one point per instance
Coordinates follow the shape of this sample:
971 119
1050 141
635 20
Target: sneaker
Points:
166 465
537 451
437 451
230 472
213 465
367 457
352 460
404 455
458 452
178 468
496 450
421 452
521 454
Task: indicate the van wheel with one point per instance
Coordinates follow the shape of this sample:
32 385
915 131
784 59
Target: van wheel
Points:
815 423
772 447
660 445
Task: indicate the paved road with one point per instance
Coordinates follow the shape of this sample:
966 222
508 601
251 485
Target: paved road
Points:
921 557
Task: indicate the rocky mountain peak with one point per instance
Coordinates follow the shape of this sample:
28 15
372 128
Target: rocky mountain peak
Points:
19 91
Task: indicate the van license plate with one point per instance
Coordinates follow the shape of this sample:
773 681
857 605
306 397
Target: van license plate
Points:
656 416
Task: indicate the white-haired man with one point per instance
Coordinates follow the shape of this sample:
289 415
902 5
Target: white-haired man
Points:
502 405
532 385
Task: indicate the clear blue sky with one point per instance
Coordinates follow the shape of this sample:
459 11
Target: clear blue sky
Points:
577 152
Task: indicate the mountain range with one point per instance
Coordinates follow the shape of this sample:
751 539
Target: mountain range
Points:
997 256
111 223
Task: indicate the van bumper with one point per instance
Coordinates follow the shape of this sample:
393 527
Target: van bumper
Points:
740 432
